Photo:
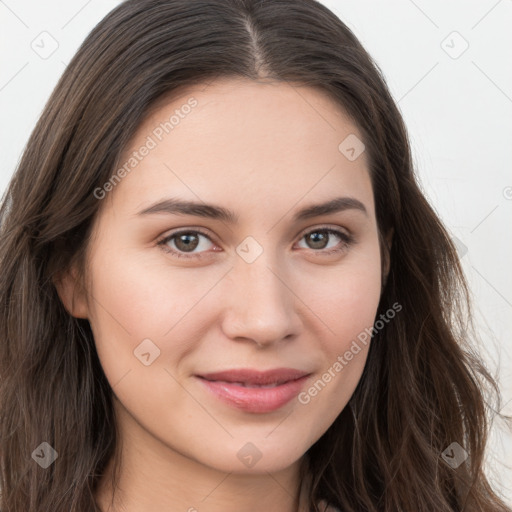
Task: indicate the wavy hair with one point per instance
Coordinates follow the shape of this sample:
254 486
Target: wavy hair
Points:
424 386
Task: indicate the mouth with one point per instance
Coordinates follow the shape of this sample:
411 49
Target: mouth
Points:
255 391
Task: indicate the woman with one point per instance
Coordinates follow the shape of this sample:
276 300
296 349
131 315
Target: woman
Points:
222 288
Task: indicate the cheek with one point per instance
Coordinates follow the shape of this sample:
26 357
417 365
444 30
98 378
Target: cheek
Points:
346 305
146 299
346 297
140 307
135 307
130 303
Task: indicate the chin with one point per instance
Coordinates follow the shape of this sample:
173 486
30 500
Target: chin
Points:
253 456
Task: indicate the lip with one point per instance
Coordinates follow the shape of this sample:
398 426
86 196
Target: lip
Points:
243 388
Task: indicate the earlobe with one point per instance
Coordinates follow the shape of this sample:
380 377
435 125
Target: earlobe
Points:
71 293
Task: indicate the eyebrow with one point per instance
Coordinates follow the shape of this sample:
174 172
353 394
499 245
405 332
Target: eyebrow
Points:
181 207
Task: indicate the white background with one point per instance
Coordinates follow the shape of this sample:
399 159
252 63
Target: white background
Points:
458 110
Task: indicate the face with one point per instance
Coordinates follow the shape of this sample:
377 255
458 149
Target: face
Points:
251 279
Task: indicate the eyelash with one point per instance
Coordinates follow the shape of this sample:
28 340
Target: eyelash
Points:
346 241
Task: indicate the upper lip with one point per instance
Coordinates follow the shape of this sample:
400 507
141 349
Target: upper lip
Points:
256 377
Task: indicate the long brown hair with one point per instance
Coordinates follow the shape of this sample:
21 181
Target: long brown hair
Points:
423 387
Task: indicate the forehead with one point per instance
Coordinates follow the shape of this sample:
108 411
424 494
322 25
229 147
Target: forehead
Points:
242 141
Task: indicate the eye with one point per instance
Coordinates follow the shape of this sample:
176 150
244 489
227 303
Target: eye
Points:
182 244
320 238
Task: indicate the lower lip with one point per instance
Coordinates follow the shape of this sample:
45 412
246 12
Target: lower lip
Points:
259 400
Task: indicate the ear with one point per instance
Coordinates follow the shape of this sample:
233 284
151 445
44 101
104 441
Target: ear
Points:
71 292
386 255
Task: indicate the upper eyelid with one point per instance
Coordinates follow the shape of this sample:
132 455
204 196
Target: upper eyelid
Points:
179 231
321 227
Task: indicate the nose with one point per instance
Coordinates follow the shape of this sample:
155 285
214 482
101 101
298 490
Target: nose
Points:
260 305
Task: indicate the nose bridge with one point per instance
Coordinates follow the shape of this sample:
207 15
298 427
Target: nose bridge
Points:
261 306
261 280
257 265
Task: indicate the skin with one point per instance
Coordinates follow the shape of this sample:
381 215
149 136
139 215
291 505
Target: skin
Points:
264 150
